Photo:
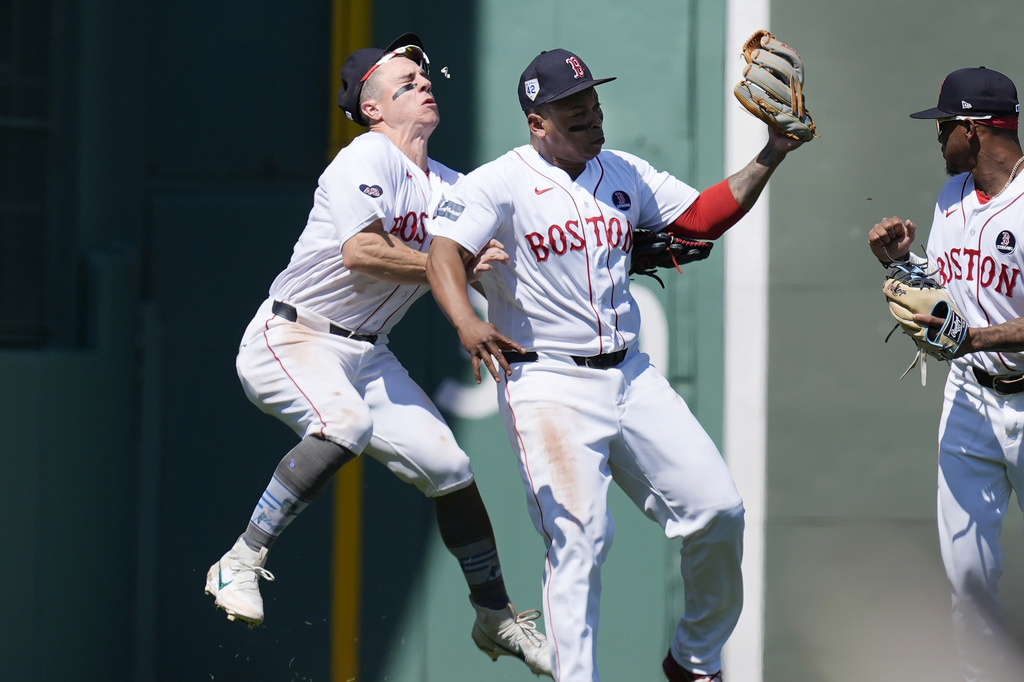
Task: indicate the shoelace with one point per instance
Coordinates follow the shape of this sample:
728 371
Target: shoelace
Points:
258 570
523 627
263 573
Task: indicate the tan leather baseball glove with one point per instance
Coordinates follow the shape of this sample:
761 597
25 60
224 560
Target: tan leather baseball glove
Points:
772 88
909 290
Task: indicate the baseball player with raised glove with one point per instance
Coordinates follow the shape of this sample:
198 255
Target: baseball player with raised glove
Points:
579 399
772 89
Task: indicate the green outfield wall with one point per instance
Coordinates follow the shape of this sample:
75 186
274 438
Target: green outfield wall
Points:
185 141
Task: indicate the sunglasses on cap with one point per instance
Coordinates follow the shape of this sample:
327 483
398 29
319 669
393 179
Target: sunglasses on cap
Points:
412 52
947 119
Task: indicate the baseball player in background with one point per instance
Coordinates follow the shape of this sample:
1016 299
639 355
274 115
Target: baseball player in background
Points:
315 354
583 407
974 249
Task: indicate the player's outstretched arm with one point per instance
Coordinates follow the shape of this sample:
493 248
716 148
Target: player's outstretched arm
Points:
748 182
446 272
375 253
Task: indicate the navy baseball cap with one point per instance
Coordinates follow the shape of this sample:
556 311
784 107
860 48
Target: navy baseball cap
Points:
554 75
362 63
975 92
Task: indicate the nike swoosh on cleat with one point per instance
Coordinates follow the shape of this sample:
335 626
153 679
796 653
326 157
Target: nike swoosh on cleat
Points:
538 190
220 579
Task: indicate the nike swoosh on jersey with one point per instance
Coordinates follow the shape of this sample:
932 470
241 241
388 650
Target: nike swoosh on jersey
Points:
538 190
951 211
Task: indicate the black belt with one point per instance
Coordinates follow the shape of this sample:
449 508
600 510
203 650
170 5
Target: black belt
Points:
603 361
289 313
1004 385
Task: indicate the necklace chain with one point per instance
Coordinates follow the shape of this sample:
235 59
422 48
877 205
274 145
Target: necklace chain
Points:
1013 174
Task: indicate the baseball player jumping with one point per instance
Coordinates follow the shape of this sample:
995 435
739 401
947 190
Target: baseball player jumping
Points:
973 248
583 407
315 354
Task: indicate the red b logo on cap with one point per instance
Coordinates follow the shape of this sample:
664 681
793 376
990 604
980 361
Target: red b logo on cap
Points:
577 68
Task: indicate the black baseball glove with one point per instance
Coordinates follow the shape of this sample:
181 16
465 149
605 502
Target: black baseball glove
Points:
654 250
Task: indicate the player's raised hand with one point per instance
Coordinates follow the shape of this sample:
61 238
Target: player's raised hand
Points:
891 238
494 252
782 143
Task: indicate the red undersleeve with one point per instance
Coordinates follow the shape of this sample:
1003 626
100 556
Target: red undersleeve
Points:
714 212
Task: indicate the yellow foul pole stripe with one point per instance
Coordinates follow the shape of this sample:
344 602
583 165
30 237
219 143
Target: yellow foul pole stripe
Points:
352 29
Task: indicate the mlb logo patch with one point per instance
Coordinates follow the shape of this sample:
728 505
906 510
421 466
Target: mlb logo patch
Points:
532 88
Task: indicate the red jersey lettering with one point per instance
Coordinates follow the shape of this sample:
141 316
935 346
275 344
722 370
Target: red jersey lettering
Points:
540 252
972 257
1007 281
985 270
578 242
556 237
407 228
561 239
614 231
595 222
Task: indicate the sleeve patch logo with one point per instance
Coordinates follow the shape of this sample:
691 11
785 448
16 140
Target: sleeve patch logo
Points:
621 200
371 191
450 210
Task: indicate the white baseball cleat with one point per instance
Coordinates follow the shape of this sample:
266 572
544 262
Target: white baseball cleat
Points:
507 633
234 583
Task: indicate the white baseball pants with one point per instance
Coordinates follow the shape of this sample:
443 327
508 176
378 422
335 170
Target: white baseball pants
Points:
979 466
353 393
575 431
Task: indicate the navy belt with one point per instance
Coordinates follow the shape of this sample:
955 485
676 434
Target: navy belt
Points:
603 361
513 357
1003 385
289 313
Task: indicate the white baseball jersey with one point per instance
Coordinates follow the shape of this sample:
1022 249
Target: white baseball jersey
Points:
348 391
369 180
575 429
976 247
567 287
